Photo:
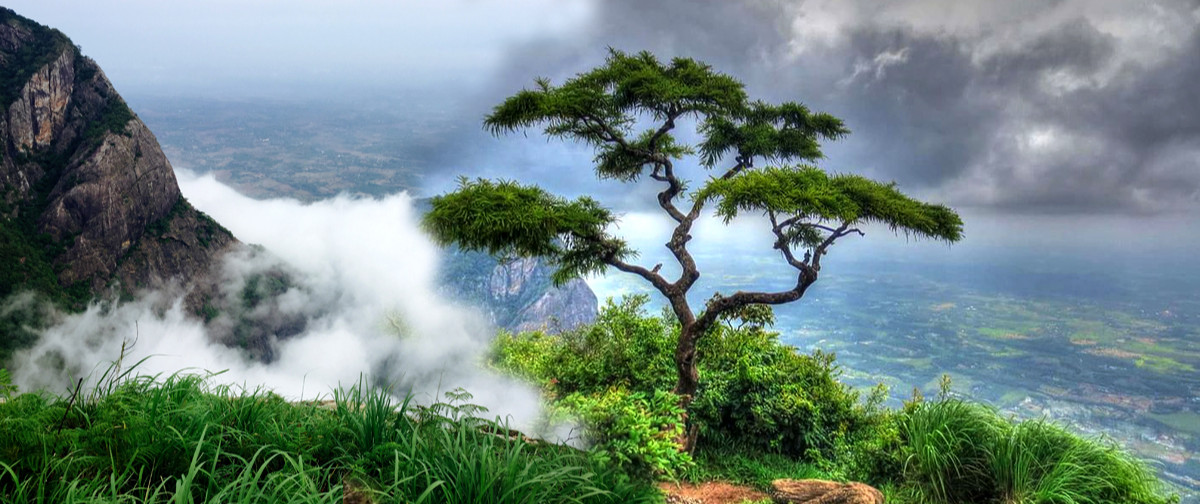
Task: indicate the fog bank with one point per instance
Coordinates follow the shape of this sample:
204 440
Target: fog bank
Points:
363 288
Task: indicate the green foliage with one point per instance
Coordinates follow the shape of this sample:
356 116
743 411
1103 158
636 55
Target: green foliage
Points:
774 132
948 450
963 452
21 317
755 394
599 108
181 440
814 196
24 261
260 286
759 393
506 218
7 389
623 348
114 118
638 432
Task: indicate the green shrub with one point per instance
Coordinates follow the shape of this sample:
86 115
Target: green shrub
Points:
637 432
755 394
760 393
623 348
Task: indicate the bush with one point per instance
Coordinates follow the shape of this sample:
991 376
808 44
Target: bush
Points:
623 348
755 392
637 432
760 393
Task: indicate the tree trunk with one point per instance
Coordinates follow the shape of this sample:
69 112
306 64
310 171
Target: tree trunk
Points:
688 381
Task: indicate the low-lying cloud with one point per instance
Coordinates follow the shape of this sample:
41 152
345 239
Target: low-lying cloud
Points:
363 288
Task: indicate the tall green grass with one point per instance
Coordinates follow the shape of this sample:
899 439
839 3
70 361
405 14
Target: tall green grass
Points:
181 440
965 452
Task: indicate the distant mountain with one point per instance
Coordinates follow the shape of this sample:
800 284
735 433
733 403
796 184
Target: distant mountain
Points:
89 203
518 294
90 207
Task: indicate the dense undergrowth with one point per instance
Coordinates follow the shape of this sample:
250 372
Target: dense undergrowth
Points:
180 440
767 411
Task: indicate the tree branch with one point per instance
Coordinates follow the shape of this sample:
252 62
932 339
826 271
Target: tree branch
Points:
653 277
782 243
742 164
793 222
722 304
607 132
820 250
667 125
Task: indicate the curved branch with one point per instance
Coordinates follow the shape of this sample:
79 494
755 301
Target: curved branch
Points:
783 244
821 249
651 276
608 133
720 305
668 125
742 164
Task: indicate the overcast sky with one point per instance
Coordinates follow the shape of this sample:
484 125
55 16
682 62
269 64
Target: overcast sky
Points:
1022 107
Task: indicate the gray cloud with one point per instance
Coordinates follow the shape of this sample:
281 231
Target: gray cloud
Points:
1060 107
1069 106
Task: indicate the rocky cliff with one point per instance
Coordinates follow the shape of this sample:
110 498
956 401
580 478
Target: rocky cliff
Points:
518 293
88 201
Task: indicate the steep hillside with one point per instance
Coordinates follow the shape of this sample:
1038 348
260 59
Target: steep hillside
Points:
89 203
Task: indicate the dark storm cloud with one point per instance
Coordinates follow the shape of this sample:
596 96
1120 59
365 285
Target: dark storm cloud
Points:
1131 143
725 34
1024 109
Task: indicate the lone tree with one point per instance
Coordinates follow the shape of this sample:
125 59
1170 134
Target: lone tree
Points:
807 209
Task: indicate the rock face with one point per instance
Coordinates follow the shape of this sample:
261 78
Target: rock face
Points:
86 193
518 293
811 491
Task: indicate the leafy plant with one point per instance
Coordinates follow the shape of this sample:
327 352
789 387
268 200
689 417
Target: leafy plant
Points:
637 432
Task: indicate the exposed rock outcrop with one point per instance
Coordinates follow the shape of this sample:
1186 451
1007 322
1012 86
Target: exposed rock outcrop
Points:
518 293
85 190
811 491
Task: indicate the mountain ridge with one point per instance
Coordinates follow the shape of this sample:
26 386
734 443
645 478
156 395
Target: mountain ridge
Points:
88 201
